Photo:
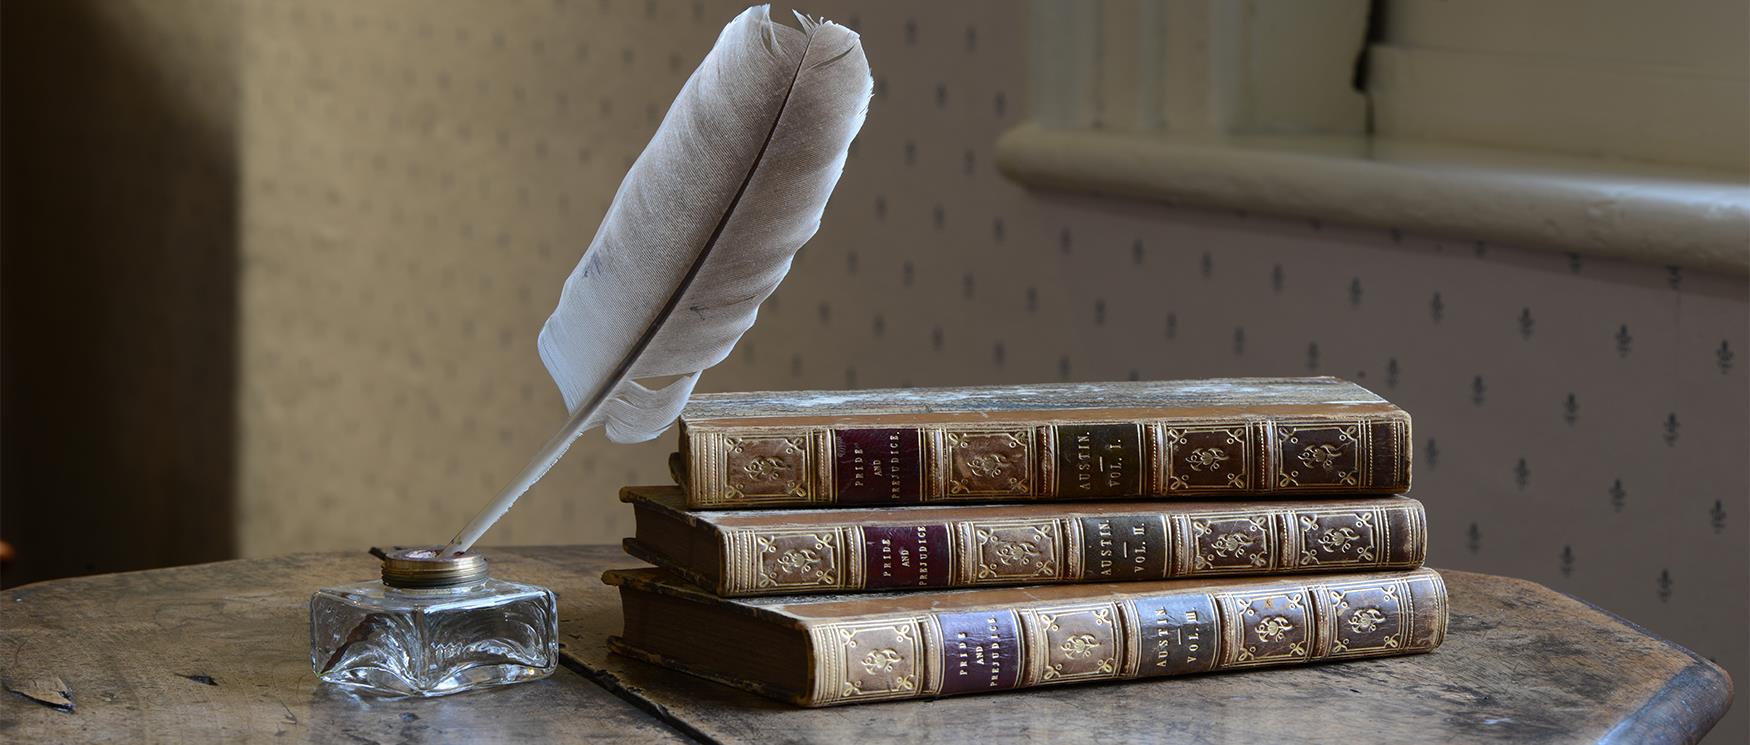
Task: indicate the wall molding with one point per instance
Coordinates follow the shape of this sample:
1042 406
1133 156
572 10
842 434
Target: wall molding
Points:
1667 216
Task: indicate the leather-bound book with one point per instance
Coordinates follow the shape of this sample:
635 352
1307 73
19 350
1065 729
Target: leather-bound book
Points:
1241 437
845 649
785 552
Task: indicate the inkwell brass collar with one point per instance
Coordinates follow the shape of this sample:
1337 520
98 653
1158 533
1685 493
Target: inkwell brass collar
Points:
428 567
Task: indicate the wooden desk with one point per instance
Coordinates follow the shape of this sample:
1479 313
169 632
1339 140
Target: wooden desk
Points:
219 653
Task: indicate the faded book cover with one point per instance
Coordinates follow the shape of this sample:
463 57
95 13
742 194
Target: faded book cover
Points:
736 553
845 649
1236 437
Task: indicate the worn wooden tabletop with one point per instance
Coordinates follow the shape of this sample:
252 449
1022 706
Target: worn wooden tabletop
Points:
219 653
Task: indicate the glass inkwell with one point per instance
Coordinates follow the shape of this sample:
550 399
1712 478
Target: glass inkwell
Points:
432 626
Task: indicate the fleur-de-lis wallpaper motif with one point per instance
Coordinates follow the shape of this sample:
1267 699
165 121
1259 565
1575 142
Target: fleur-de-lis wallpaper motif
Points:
1355 292
1716 517
1526 324
1473 538
1312 356
1618 495
1571 410
1665 583
1624 341
1669 435
1567 561
1478 390
1436 308
1723 357
1521 474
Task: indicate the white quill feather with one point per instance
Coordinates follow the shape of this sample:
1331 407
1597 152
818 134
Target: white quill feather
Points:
701 231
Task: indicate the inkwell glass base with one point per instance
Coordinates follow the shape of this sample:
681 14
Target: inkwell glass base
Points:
434 625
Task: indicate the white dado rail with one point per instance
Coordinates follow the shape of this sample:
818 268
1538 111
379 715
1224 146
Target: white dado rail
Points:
1251 105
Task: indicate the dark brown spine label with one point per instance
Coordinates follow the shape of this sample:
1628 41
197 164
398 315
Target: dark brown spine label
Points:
981 651
1099 460
905 556
878 466
1179 635
1124 547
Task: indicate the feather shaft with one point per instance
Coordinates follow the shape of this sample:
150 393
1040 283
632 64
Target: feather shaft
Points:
619 390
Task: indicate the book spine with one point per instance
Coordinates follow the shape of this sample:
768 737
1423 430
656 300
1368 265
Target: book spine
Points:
786 466
1378 534
950 653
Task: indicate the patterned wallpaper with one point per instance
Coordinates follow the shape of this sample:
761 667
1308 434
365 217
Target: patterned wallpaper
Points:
419 177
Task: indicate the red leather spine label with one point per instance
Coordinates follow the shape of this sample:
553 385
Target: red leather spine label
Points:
878 466
981 651
906 556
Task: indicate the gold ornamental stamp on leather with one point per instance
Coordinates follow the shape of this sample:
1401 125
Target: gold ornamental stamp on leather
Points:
1074 643
771 467
1005 552
1332 539
988 463
1268 627
868 660
1206 459
1319 456
1364 619
1244 542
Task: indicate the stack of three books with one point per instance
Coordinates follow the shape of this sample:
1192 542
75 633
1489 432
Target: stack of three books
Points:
1098 532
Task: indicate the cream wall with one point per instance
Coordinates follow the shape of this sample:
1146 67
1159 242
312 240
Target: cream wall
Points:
417 179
